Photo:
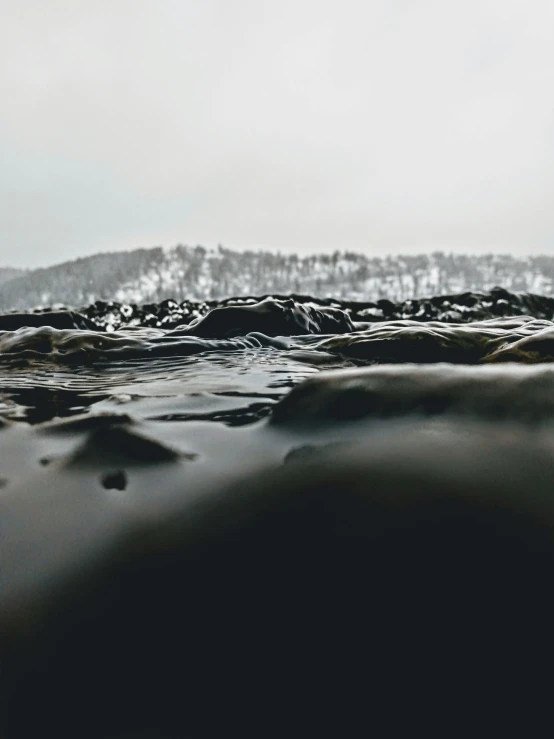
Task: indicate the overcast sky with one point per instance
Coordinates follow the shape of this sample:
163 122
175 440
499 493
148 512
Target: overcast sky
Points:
371 125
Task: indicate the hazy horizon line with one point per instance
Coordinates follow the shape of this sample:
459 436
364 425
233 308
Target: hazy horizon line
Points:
288 252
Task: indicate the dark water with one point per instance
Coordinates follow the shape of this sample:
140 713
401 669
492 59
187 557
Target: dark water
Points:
253 353
236 519
152 388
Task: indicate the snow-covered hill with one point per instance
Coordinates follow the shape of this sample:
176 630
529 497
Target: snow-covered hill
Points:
9 273
196 273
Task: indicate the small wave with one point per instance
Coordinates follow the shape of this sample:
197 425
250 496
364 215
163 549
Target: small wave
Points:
520 338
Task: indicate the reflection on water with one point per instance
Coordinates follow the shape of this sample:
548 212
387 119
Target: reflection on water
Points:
233 388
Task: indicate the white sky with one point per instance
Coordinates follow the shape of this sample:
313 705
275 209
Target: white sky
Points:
372 125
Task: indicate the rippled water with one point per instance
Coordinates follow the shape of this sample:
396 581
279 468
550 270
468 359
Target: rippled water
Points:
275 470
182 374
232 384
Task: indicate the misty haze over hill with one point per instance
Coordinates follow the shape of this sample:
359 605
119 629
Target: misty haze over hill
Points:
196 273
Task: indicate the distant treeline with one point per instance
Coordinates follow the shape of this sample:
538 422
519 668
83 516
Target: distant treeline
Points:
196 273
